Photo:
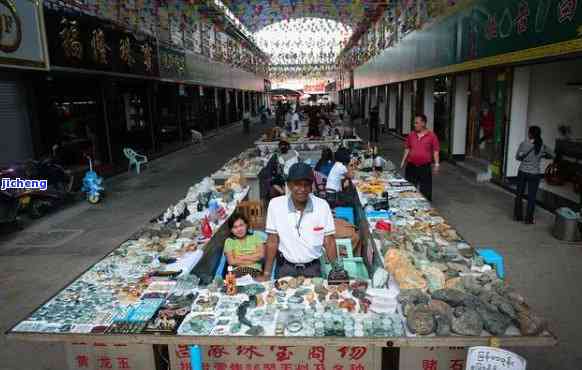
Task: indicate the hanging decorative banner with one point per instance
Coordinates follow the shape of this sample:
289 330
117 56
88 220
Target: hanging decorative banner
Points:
258 14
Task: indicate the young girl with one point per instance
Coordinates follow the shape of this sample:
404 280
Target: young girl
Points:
244 250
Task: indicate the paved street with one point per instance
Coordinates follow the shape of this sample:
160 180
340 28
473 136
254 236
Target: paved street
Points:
544 270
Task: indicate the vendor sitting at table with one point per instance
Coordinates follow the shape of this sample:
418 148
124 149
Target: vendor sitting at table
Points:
300 228
341 172
287 156
244 250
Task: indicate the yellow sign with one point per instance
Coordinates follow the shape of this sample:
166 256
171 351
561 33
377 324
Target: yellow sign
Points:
10 27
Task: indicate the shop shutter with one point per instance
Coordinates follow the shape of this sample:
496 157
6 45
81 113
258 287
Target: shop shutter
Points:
9 113
15 141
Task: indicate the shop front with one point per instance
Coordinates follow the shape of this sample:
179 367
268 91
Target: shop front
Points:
22 51
549 95
489 109
99 97
169 133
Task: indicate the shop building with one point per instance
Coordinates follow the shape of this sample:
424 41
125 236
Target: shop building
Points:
109 87
22 55
482 81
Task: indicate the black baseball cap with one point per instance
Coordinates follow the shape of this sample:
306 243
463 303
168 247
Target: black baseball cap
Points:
300 171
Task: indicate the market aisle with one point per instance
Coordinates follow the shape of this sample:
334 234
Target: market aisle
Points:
31 274
546 271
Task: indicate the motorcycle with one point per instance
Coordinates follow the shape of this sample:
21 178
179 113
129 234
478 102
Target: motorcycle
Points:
92 184
37 202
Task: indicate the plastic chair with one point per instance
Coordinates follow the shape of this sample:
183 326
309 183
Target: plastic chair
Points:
492 257
135 159
346 213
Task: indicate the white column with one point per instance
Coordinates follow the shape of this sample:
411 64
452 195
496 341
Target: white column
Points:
429 102
393 96
518 118
461 114
406 108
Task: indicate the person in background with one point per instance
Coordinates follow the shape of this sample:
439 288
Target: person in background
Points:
288 120
421 148
530 153
379 163
487 124
247 122
341 172
325 163
300 229
244 250
277 182
374 124
287 156
313 131
295 122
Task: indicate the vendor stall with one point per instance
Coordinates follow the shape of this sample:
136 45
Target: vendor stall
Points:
417 285
304 144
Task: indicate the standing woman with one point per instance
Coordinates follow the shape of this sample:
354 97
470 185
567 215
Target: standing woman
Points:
530 153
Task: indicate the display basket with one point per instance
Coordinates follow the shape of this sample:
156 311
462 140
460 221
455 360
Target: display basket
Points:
354 266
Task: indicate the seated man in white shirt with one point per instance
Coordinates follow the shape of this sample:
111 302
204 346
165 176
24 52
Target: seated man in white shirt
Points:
300 228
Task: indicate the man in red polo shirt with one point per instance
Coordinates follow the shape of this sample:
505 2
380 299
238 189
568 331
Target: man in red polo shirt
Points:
421 147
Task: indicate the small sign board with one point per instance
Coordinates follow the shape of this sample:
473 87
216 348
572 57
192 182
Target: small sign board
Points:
433 358
277 357
491 358
96 356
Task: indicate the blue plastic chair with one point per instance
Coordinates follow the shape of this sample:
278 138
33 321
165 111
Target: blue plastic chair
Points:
346 213
494 258
134 159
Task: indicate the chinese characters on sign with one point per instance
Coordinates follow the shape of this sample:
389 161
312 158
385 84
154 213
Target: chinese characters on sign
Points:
445 358
10 27
172 64
125 51
99 46
147 57
99 356
277 358
567 10
70 40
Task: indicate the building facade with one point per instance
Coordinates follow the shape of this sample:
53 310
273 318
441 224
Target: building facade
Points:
483 74
108 87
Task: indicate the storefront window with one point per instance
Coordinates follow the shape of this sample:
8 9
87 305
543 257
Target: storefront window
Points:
168 132
71 125
443 108
488 112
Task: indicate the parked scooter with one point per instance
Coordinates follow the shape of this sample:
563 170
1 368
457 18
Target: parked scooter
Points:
92 184
37 202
